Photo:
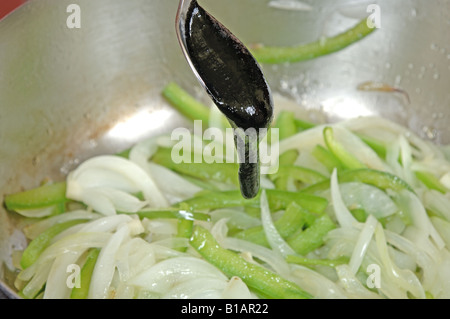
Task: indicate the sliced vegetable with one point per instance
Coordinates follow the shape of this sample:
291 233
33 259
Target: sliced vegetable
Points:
292 220
374 144
85 275
184 230
347 159
275 55
40 197
261 280
300 174
174 213
309 262
311 238
286 125
187 105
431 181
278 200
380 179
303 125
43 212
37 245
324 156
220 172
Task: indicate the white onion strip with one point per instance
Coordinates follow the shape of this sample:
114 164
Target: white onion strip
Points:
362 244
343 215
274 238
106 264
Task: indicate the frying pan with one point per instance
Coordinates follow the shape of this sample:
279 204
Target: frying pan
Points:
70 92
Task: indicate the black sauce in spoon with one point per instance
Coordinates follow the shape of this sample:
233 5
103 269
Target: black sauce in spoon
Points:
236 84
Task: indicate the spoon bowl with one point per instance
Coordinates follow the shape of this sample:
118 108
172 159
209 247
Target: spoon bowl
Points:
234 81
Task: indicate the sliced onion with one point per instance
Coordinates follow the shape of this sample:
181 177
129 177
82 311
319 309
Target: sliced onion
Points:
352 286
173 185
133 257
290 5
164 275
75 242
343 215
439 289
236 289
197 288
105 224
354 145
362 244
105 266
307 160
235 217
438 203
303 141
112 172
33 230
414 207
421 258
443 228
276 262
36 213
370 198
36 279
316 284
341 241
167 181
399 281
57 286
406 156
219 230
108 201
274 238
141 152
383 125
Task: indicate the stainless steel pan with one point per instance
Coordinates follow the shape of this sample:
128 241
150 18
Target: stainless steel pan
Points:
70 93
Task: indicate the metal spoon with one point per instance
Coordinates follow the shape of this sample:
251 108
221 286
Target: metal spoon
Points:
233 79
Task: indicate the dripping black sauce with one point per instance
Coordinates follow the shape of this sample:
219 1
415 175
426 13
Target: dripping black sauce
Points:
235 83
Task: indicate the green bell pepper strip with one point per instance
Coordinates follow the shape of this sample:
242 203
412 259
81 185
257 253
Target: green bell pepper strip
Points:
256 277
375 145
39 197
303 125
38 245
346 158
184 230
173 213
187 105
380 179
86 275
293 219
185 227
276 55
285 123
308 262
431 181
220 172
324 156
305 241
277 199
299 173
360 214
